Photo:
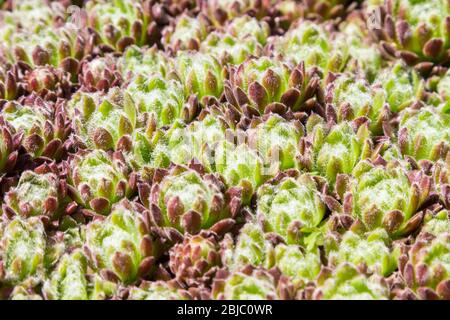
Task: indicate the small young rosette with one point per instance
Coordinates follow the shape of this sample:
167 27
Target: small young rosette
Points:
401 84
371 251
145 60
416 31
99 73
312 44
164 99
424 133
436 223
98 179
400 195
121 23
290 205
251 247
200 73
159 290
43 126
425 268
103 121
70 280
9 147
22 251
299 265
185 33
121 246
330 150
276 140
259 82
245 27
251 284
196 259
346 282
188 200
37 194
353 97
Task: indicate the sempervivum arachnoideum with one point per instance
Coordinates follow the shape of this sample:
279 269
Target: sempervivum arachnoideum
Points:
121 23
400 195
371 250
70 280
42 125
245 26
436 223
346 282
22 251
276 140
353 97
416 31
11 84
402 86
196 259
332 149
188 200
289 205
98 179
200 73
299 265
9 147
145 60
121 246
424 132
48 82
186 33
251 283
312 44
103 120
441 176
250 247
164 99
219 11
425 268
99 73
258 82
40 193
159 290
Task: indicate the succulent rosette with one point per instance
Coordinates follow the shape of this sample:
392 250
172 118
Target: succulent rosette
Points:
276 139
312 44
241 166
333 150
159 290
71 281
222 10
99 74
250 248
290 205
42 125
163 98
231 50
38 195
259 82
200 73
121 247
424 133
416 31
441 175
371 250
187 200
299 265
9 145
196 259
443 87
121 23
346 282
436 224
103 121
251 284
10 87
402 86
97 179
353 98
48 82
400 194
22 251
244 26
186 33
145 60
425 268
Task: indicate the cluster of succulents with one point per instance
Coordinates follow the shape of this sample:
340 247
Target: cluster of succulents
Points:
232 149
